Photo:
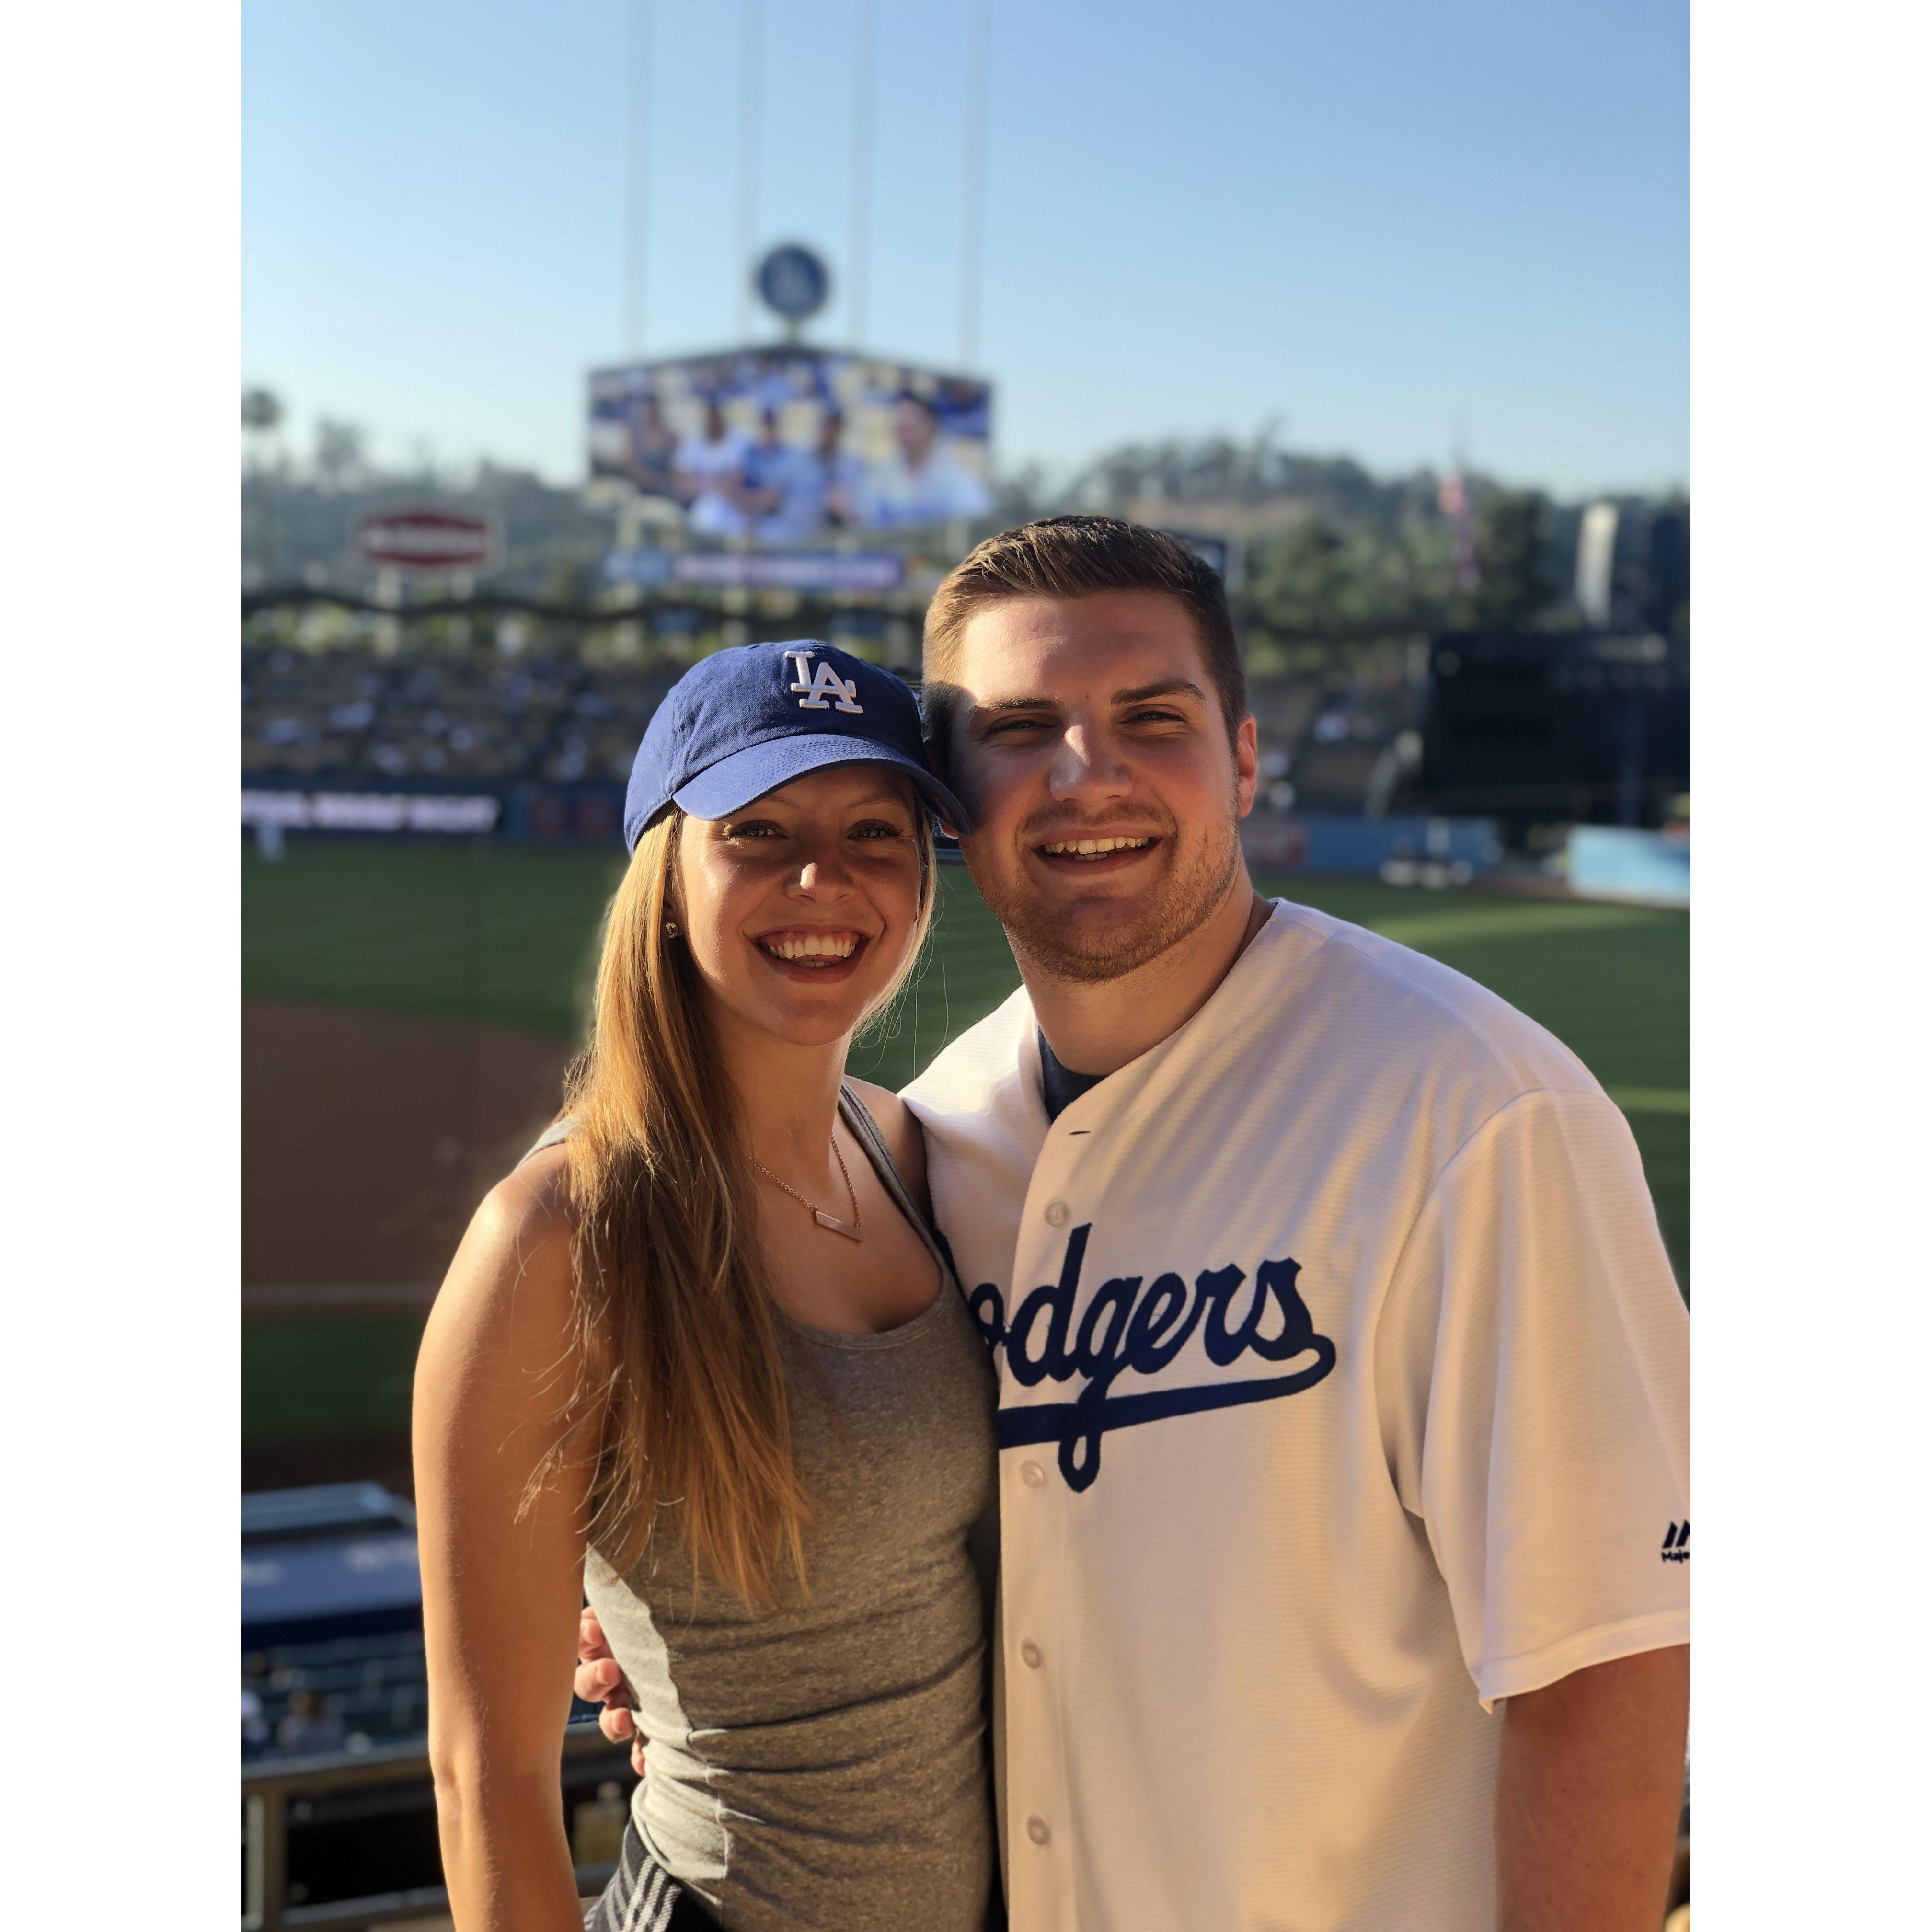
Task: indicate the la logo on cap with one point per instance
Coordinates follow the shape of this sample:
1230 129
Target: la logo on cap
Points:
824 691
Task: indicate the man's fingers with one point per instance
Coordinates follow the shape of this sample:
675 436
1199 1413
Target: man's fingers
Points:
590 1644
601 1684
616 1724
593 1682
637 1757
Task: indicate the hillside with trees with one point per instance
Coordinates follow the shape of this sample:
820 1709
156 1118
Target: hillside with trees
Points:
1332 560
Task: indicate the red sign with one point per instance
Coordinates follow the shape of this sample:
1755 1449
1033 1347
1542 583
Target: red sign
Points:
1276 842
426 539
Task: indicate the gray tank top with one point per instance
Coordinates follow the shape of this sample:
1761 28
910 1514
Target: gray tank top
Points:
825 1764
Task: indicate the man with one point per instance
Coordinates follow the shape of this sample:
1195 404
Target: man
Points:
1343 1380
797 494
922 484
710 471
767 470
650 453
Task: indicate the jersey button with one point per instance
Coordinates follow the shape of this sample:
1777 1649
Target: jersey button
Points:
1031 1654
1056 1214
1032 1474
1036 1830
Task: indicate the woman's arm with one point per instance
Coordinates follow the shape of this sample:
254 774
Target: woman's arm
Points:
501 1595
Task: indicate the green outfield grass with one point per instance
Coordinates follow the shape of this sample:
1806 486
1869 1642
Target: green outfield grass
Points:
506 938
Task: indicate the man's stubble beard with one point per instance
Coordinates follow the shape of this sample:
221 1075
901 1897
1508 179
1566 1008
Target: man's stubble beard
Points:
1180 905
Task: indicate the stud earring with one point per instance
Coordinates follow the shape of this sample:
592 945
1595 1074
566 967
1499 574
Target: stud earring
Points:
671 929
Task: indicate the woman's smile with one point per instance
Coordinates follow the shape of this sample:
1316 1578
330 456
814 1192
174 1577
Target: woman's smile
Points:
815 953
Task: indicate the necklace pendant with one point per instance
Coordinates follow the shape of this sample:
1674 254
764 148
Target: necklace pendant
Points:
837 1226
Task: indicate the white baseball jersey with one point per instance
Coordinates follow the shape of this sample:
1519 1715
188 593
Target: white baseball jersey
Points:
1344 1386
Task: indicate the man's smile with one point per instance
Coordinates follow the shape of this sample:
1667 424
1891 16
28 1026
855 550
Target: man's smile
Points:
1090 853
1089 848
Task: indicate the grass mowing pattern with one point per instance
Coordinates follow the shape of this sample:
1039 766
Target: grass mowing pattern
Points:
306 1376
463 932
507 938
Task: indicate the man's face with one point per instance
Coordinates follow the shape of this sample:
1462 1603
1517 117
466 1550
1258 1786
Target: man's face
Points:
917 430
1089 747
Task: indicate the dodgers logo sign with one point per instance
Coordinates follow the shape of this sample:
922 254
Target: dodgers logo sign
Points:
825 690
1126 1330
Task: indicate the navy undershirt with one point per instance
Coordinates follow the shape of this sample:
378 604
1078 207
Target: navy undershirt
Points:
1059 1086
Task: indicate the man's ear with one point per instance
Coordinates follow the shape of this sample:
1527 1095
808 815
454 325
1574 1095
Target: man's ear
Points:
940 705
946 825
1247 767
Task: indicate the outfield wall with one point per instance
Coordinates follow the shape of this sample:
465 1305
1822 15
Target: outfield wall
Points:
523 813
1616 862
591 816
1345 844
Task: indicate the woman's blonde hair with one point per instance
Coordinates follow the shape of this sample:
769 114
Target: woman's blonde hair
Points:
680 1373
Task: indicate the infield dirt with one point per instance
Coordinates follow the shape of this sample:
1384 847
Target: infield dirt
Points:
369 1138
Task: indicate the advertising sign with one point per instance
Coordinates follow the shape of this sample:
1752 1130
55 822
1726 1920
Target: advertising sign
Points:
782 445
369 812
792 282
1345 843
833 572
426 537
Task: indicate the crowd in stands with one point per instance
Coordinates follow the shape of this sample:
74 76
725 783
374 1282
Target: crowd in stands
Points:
346 1693
351 1693
484 718
350 713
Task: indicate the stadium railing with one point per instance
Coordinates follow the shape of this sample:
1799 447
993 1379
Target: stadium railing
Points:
360 1828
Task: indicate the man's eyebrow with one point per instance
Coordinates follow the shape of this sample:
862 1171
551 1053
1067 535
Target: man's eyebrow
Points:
1166 687
994 706
1140 694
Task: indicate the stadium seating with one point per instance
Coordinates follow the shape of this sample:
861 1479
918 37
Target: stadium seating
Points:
352 713
484 718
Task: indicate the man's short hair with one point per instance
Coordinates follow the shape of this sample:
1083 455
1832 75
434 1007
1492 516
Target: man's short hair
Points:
1079 557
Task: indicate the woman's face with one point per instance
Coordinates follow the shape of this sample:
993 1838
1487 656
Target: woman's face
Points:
799 909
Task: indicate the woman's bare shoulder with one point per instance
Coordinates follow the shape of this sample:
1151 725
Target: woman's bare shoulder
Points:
530 1207
904 1139
513 1268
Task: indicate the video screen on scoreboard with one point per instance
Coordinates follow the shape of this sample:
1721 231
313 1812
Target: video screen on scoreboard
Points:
783 445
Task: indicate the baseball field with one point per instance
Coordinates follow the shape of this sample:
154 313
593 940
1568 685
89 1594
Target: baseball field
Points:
410 1008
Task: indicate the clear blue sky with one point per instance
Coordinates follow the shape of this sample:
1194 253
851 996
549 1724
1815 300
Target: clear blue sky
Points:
1380 221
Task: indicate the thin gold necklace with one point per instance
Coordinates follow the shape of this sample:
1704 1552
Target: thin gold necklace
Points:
853 1230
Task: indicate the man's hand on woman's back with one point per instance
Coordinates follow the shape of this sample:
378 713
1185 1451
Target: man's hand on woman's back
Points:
599 1681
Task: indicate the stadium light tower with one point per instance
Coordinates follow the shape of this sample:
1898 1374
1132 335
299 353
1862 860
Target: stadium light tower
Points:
636 129
973 185
750 87
860 229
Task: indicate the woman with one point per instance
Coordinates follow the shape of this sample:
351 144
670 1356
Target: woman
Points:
700 1358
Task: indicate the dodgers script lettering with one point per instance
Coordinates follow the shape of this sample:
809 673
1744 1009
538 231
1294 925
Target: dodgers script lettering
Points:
1127 1329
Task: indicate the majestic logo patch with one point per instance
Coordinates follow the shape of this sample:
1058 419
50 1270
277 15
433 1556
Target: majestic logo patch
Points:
1677 1542
824 690
1122 1329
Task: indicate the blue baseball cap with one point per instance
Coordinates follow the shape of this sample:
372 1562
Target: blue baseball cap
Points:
744 722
